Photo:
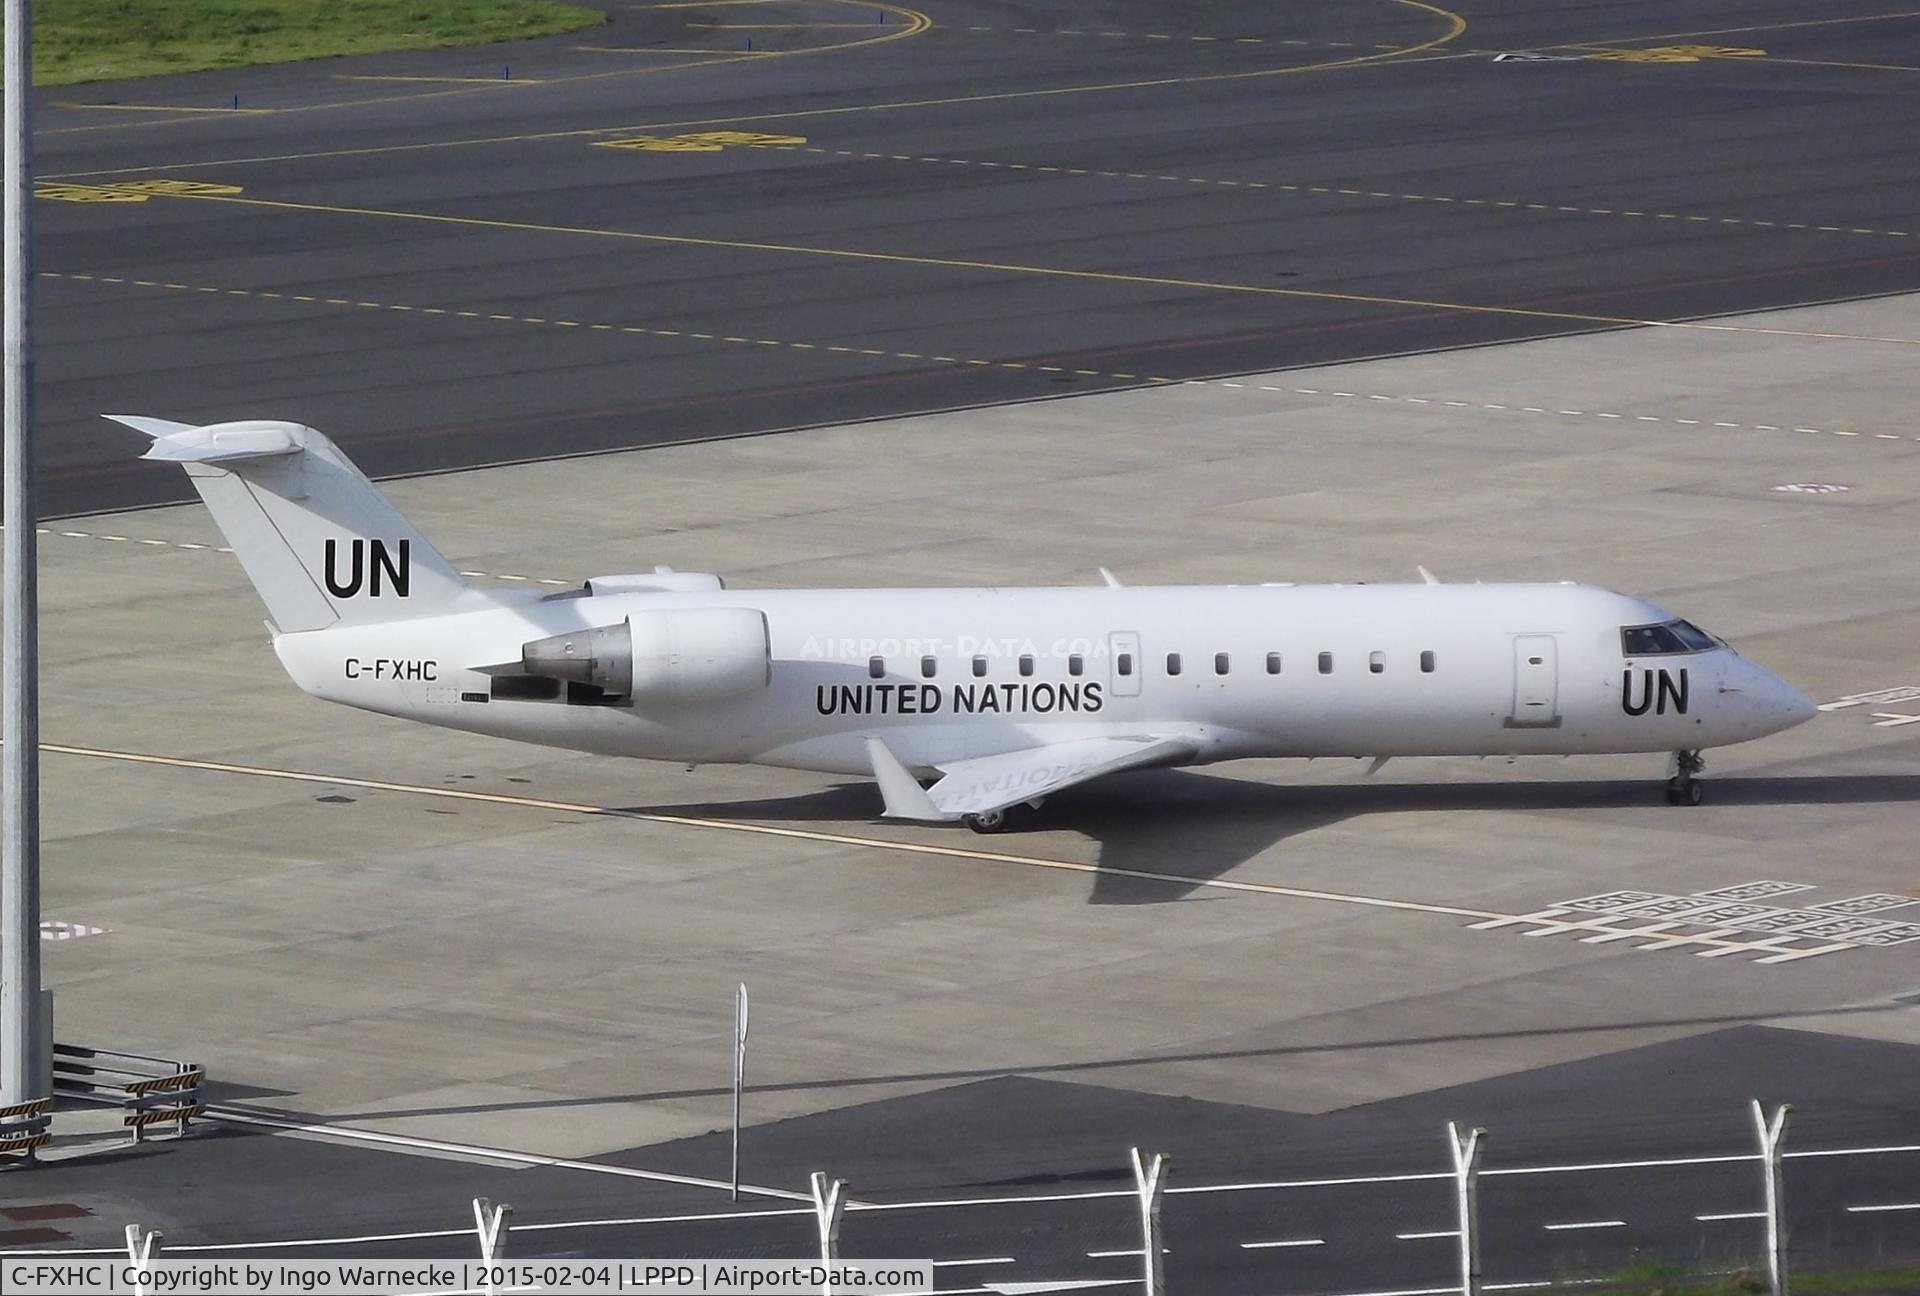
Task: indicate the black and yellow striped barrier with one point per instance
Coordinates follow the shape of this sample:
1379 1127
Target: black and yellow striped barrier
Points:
23 1126
161 1115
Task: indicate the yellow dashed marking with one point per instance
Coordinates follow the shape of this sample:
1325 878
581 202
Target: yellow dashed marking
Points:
974 361
1379 194
1167 36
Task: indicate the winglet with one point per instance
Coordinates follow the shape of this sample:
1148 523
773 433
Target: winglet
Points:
1113 582
902 794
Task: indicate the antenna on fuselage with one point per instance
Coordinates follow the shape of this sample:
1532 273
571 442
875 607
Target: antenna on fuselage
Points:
1113 582
1427 577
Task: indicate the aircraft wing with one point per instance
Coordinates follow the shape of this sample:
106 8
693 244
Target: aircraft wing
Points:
985 783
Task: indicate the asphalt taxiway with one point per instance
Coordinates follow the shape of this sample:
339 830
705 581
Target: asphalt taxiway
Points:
701 222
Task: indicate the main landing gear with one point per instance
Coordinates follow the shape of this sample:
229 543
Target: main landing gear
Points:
997 821
1685 787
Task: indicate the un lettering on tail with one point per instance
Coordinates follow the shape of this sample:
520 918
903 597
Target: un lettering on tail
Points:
391 570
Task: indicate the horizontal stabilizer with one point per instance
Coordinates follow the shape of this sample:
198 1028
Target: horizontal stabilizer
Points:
185 443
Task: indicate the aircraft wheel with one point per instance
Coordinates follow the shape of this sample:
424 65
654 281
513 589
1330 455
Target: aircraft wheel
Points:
1686 791
992 821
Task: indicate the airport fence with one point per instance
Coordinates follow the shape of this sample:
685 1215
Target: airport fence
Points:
1128 1228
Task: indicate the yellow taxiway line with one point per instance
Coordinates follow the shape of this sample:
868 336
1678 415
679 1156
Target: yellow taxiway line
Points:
917 23
1041 271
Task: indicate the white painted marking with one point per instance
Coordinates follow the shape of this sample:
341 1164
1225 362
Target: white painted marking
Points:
983 1260
1889 1206
1731 1215
1032 1288
1108 1255
232 1116
1674 941
53 929
1893 719
1289 1242
1437 1233
1792 956
1584 1224
1538 915
1651 929
1902 693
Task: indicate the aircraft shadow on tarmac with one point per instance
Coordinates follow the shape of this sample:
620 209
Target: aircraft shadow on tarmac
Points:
1179 823
1091 1070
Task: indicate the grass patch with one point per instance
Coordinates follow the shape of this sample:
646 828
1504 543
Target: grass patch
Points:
104 40
1655 1279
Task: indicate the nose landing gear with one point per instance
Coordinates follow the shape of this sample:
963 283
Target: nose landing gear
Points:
1685 787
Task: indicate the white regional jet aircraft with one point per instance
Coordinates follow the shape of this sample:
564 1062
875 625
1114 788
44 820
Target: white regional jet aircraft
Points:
1001 695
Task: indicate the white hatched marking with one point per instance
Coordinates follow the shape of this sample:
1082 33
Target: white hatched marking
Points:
1651 929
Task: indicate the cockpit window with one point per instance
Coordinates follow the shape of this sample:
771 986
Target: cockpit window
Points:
1669 637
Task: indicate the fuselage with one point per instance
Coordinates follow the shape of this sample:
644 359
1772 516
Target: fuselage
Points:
944 675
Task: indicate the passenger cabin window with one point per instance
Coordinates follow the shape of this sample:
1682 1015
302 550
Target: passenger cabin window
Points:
1326 663
1669 637
1377 663
1026 664
1173 663
1221 663
1273 663
1076 664
876 667
979 667
1426 662
1123 664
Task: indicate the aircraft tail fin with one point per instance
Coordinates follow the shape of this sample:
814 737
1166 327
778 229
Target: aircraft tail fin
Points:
318 540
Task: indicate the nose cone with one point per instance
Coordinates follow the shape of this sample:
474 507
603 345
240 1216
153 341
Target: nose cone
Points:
1770 703
1800 708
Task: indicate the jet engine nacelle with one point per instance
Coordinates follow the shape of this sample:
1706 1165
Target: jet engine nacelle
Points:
659 581
677 655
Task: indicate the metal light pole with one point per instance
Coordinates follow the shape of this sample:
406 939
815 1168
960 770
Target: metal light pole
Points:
23 1070
739 1075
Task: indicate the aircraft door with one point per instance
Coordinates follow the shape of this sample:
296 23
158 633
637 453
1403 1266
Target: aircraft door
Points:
1536 682
1124 667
